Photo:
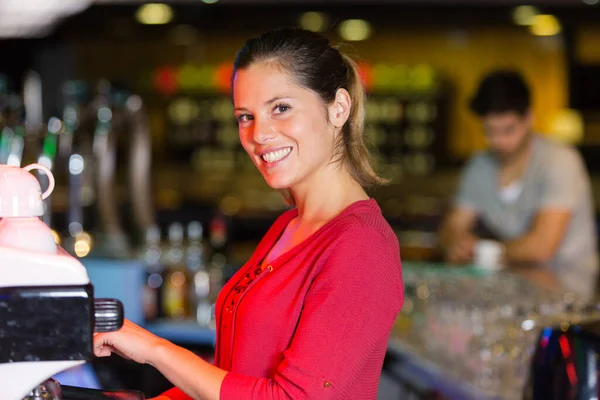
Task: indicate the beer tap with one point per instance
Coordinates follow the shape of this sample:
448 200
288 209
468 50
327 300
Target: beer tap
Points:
47 158
122 119
111 239
75 146
12 137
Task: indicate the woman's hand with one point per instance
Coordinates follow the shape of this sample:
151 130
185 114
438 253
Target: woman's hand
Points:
130 342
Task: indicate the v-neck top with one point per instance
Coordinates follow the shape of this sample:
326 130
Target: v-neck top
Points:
315 321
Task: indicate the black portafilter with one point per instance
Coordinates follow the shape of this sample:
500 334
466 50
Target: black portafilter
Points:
52 390
77 393
108 315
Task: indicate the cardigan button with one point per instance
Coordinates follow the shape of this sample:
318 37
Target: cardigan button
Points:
327 385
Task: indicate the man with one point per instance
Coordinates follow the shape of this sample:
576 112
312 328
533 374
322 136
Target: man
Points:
531 194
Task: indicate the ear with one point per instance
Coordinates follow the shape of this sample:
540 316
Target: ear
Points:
339 109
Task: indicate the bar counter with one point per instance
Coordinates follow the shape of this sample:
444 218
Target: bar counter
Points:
462 334
465 333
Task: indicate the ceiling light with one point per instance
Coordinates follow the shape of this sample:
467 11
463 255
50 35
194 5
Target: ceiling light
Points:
313 21
355 30
545 25
524 15
154 14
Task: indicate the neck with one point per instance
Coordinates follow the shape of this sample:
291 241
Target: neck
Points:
519 160
326 195
513 168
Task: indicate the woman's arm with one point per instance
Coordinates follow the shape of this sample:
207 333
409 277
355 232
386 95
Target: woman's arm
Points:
194 376
188 372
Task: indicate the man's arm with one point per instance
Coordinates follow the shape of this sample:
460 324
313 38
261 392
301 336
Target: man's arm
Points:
542 242
455 236
565 180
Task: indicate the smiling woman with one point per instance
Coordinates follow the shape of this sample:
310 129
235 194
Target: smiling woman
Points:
329 79
309 316
283 127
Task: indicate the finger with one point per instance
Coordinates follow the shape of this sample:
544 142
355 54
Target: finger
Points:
103 351
120 353
100 339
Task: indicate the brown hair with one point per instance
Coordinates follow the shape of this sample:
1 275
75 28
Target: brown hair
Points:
314 64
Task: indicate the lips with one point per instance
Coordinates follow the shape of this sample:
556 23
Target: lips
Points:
276 155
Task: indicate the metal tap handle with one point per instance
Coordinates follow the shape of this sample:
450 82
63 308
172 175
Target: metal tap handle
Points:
108 315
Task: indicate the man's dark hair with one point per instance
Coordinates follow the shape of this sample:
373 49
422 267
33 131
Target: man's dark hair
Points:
501 91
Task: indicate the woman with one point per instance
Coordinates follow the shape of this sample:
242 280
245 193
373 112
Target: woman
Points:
309 316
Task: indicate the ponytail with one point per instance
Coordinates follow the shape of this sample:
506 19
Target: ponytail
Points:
352 145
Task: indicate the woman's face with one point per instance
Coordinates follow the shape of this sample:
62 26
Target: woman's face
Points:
285 128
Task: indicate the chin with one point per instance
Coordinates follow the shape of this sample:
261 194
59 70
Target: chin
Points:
503 157
276 182
281 179
277 185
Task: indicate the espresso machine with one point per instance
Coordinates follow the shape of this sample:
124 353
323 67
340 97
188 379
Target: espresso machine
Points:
48 314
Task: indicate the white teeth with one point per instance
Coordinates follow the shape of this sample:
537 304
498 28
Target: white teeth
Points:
276 155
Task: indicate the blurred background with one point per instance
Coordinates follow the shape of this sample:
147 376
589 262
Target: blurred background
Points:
128 103
420 62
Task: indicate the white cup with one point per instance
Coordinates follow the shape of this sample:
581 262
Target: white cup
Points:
489 255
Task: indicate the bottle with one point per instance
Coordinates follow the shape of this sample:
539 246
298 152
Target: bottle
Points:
199 285
175 295
218 234
153 277
218 242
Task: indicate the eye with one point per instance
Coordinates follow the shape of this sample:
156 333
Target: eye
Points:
281 108
244 117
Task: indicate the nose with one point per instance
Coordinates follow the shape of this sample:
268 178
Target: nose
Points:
263 131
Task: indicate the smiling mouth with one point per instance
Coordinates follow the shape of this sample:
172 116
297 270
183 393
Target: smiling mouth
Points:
277 155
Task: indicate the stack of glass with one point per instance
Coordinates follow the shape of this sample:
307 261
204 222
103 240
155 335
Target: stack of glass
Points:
480 329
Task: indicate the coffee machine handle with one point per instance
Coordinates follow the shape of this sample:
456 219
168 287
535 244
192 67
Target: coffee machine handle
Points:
108 315
77 393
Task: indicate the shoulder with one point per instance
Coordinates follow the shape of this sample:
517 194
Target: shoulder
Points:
365 223
559 156
480 157
365 243
364 260
480 161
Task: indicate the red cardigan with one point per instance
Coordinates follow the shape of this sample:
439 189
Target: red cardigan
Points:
315 323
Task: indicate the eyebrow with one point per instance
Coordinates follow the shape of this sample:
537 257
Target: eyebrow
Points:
270 101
